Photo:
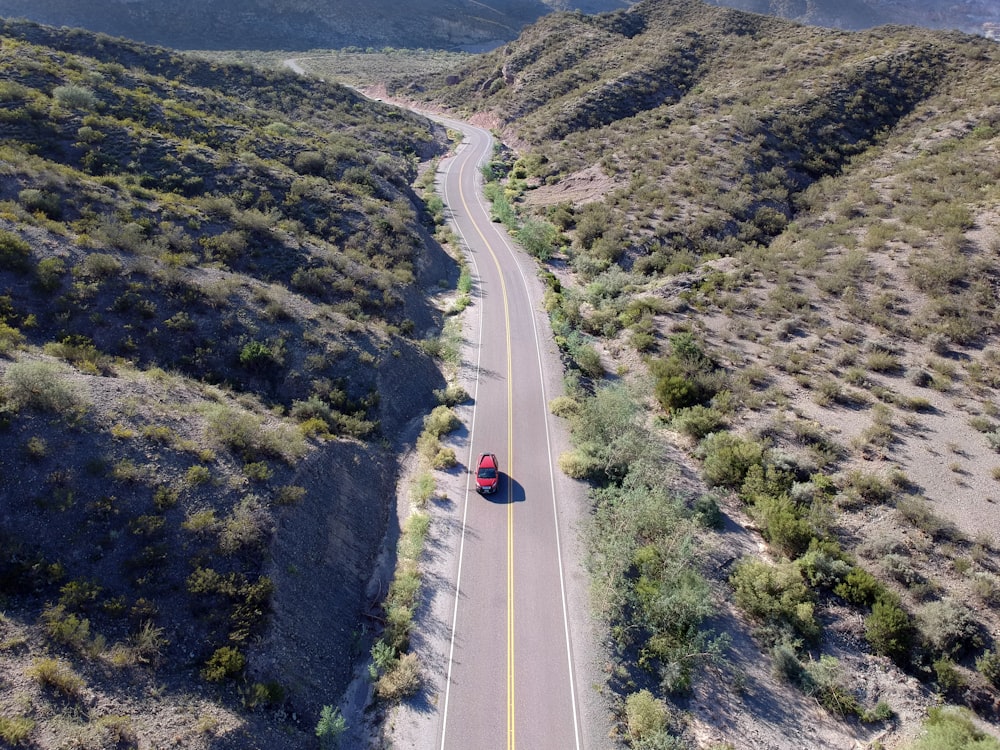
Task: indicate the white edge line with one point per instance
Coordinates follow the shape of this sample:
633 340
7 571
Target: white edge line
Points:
465 511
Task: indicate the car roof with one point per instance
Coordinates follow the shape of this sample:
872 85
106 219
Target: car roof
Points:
487 458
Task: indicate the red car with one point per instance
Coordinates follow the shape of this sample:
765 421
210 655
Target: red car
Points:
487 474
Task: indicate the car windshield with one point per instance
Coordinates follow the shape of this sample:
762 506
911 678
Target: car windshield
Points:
487 472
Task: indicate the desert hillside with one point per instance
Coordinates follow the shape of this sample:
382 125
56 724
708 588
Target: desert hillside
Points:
213 306
784 240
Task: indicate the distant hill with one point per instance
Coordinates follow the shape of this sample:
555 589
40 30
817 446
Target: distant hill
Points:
431 24
963 15
297 24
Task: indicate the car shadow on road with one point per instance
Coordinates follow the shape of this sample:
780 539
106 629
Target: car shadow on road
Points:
509 491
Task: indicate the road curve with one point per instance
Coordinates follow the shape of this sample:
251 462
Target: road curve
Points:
510 677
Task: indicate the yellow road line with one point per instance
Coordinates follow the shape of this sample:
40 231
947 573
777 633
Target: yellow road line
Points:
510 475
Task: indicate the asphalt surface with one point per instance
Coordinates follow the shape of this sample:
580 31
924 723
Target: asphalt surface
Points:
509 672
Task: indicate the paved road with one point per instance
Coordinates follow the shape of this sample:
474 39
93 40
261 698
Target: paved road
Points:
510 664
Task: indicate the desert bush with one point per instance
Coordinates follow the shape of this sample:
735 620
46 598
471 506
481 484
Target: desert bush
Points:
988 665
445 458
200 521
727 458
246 528
401 680
889 630
453 395
75 97
707 512
441 421
57 675
948 628
289 494
15 729
258 471
824 564
918 512
946 674
309 162
948 728
860 588
42 386
578 465
98 266
986 587
645 715
330 727
588 360
777 597
785 665
539 238
245 434
826 684
79 595
14 252
40 201
225 663
782 524
564 406
70 630
197 474
697 421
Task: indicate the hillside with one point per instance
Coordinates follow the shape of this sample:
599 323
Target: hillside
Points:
967 15
298 24
785 238
213 306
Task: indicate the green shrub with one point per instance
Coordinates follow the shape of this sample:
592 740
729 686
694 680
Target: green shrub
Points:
860 588
645 715
257 357
823 564
445 458
401 680
453 395
889 630
564 406
697 421
785 665
75 97
778 597
43 386
99 266
988 665
578 465
40 201
441 421
15 729
588 359
727 458
781 524
825 683
330 727
289 494
57 675
949 628
226 662
946 675
948 728
258 471
14 252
